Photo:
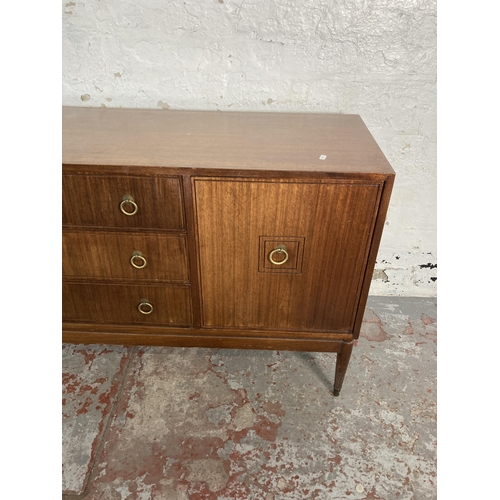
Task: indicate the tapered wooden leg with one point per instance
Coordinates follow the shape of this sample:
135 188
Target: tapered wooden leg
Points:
342 362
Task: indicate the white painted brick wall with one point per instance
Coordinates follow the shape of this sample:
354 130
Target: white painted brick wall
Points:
376 58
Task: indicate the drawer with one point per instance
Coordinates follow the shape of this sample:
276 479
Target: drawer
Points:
103 303
122 201
127 256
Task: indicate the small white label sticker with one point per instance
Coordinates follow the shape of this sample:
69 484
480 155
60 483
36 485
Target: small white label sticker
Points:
322 157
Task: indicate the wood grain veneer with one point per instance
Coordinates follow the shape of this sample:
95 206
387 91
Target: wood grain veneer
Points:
335 220
213 139
94 200
106 256
216 193
108 303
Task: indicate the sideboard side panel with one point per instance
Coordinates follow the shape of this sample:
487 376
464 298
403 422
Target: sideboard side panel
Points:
375 244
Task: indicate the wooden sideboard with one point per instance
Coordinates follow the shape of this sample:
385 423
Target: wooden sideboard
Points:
220 229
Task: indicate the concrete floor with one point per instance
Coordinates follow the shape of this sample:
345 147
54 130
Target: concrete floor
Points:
203 424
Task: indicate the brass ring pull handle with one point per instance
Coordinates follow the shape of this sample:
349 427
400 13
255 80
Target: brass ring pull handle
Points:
127 199
278 249
145 307
137 256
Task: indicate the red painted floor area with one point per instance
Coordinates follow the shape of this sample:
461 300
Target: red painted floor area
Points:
193 424
91 379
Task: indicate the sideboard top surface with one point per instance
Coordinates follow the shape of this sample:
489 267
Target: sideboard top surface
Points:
223 140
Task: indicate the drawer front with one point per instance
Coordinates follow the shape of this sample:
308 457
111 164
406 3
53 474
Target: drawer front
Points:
98 201
131 256
102 303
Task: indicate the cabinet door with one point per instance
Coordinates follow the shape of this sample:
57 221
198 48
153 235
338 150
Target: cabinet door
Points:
326 228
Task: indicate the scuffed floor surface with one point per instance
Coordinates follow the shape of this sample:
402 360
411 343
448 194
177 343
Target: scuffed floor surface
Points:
205 424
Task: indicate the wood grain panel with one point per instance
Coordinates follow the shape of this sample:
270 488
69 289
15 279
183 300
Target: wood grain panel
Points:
374 246
336 221
191 239
223 140
94 200
107 256
103 303
152 329
180 340
216 193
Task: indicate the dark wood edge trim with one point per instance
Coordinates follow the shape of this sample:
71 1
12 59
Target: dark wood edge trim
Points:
196 246
68 170
375 244
99 280
290 179
203 341
149 329
192 254
69 280
123 231
149 231
218 328
183 203
173 171
367 246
